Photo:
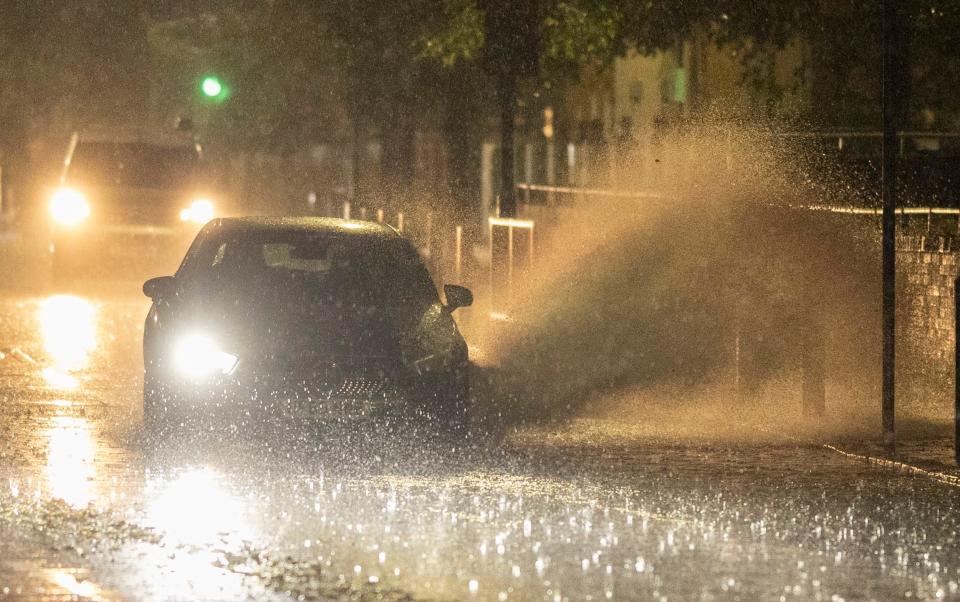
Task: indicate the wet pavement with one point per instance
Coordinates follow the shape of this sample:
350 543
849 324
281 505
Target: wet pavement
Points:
595 508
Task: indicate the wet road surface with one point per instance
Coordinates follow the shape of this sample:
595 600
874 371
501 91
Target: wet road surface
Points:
593 509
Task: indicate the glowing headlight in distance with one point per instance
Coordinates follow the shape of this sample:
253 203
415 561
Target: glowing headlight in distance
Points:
198 356
69 207
200 211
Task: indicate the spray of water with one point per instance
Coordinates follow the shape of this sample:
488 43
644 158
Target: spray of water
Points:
697 307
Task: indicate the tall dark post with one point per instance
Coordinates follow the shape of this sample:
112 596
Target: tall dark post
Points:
507 99
894 90
510 52
956 370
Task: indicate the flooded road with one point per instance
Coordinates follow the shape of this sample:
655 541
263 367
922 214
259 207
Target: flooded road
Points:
596 508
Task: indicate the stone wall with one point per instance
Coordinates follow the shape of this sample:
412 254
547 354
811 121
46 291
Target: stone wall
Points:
926 270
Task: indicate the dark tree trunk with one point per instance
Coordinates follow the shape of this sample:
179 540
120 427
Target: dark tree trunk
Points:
463 138
398 158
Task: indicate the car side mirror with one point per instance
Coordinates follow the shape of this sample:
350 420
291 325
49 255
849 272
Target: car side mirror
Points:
457 296
160 287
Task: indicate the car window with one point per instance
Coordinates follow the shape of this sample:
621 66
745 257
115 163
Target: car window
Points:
284 256
339 269
133 164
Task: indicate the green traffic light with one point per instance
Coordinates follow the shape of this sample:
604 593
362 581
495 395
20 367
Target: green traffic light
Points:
211 87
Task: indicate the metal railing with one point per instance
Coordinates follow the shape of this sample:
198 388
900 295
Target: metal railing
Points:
584 192
841 138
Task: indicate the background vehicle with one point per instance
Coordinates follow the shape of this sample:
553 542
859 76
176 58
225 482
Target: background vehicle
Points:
327 318
123 198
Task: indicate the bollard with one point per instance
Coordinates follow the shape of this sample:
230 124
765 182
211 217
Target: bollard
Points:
737 370
429 234
813 385
813 351
458 254
400 221
508 255
346 210
363 213
956 370
379 216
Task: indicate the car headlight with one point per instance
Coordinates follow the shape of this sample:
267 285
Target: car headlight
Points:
198 356
69 207
200 211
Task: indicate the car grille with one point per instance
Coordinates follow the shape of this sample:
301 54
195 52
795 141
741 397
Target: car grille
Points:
354 388
330 380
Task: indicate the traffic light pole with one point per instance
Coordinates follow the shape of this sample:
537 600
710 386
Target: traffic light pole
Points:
894 90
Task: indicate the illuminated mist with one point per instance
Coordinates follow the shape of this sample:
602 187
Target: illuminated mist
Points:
640 308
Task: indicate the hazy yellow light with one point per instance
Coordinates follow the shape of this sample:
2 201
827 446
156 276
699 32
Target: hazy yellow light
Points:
68 327
82 589
69 207
199 356
200 211
70 453
196 508
59 379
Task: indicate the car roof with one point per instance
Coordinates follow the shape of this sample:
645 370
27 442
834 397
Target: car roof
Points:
320 225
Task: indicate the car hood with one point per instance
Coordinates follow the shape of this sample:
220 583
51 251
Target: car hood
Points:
268 327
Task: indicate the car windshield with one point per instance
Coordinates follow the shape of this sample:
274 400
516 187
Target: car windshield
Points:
139 165
327 269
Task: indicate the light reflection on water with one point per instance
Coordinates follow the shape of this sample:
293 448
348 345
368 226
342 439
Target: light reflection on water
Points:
202 524
68 326
68 329
196 507
70 470
81 589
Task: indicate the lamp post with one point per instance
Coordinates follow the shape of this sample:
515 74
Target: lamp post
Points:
894 90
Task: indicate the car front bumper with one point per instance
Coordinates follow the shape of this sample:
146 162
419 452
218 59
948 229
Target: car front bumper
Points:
310 399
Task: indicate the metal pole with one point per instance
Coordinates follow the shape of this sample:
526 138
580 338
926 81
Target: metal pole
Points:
510 259
458 254
813 344
430 252
813 387
507 98
736 364
893 93
530 250
956 369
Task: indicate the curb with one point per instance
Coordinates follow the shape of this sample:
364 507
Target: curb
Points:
880 462
942 477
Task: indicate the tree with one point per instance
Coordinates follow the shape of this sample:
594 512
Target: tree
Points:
845 37
510 52
546 42
379 47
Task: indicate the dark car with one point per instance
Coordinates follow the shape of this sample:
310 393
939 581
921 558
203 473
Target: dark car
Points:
323 319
